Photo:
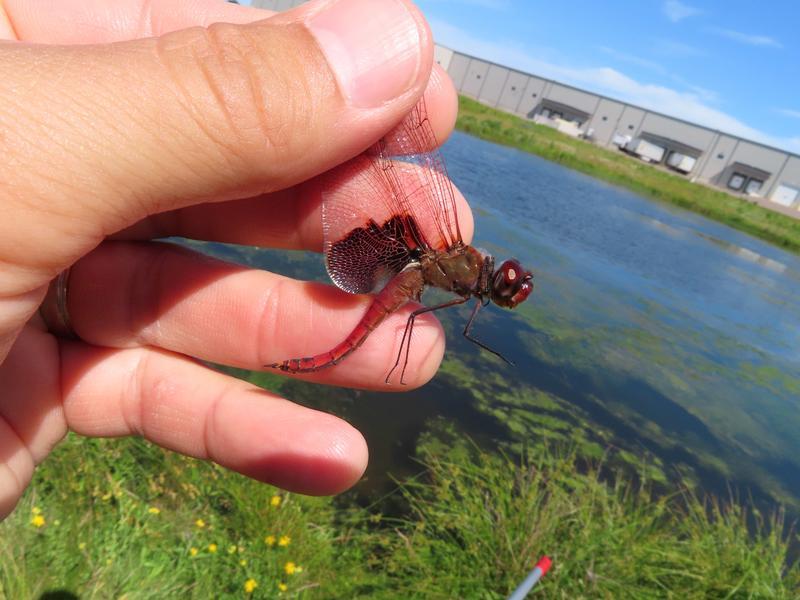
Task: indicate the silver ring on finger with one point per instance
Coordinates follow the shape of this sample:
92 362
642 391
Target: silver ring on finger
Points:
54 309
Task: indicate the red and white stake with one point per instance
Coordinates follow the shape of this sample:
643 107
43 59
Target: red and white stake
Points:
532 579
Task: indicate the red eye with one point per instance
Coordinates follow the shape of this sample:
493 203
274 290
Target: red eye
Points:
512 284
513 272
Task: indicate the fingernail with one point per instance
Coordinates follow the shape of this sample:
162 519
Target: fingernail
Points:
373 47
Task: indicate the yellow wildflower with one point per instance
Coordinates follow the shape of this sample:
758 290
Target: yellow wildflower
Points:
36 510
284 541
275 501
282 586
250 585
290 568
154 510
38 521
243 562
82 546
269 540
106 497
193 551
212 548
200 523
231 549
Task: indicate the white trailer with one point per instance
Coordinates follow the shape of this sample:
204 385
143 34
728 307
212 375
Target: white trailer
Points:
681 162
645 150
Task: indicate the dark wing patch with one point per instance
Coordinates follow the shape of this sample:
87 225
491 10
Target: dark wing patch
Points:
365 259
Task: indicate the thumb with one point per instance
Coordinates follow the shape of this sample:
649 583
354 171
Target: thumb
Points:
95 138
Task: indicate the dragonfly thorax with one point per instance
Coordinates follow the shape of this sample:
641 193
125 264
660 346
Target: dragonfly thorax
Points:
458 270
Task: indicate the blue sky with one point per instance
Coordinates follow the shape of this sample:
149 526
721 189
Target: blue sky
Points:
732 65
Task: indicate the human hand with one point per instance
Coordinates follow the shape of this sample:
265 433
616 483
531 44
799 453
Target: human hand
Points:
214 134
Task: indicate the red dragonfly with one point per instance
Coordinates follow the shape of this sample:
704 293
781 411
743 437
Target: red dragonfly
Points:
390 226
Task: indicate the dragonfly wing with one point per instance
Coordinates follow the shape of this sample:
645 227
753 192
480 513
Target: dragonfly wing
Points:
367 257
425 189
388 205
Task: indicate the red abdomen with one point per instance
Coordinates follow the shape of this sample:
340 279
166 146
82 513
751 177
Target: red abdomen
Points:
406 285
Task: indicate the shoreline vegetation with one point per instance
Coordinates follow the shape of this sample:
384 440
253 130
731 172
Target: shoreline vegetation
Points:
617 168
123 518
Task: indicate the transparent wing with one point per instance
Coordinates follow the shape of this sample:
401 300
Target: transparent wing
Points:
388 205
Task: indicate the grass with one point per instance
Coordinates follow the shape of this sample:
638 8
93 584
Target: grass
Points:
480 522
121 518
617 168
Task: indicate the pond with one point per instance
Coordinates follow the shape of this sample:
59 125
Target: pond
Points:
655 338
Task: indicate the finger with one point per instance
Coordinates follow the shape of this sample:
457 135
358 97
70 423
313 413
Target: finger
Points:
124 294
186 407
31 419
196 115
101 21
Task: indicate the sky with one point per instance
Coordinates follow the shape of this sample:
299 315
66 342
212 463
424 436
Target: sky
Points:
731 65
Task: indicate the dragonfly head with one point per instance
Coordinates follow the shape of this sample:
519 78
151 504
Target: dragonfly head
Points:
511 284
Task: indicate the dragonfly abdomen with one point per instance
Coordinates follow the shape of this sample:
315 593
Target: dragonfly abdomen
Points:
404 286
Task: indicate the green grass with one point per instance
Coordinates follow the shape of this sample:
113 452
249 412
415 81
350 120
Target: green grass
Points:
124 518
617 168
119 518
480 521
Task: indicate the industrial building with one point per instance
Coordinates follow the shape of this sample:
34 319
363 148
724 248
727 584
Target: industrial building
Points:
760 173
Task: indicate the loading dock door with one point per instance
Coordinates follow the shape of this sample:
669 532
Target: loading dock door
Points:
785 195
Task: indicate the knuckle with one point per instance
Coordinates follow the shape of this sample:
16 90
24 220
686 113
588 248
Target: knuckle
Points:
147 284
271 316
249 90
151 390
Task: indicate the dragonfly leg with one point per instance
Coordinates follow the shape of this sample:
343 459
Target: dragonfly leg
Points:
406 341
477 341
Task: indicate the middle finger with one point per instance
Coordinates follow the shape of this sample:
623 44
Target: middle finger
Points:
126 294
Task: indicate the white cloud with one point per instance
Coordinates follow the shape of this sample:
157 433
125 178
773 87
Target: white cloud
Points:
677 11
690 105
746 38
633 59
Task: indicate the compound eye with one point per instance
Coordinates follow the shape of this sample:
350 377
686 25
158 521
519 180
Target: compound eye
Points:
512 274
512 284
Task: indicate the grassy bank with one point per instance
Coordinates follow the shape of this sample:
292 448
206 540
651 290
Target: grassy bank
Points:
114 518
615 167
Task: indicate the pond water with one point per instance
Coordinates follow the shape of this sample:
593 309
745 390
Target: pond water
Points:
654 338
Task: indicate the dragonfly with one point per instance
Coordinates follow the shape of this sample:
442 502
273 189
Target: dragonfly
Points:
390 227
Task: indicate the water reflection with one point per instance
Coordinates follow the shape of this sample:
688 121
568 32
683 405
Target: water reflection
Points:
745 253
651 329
